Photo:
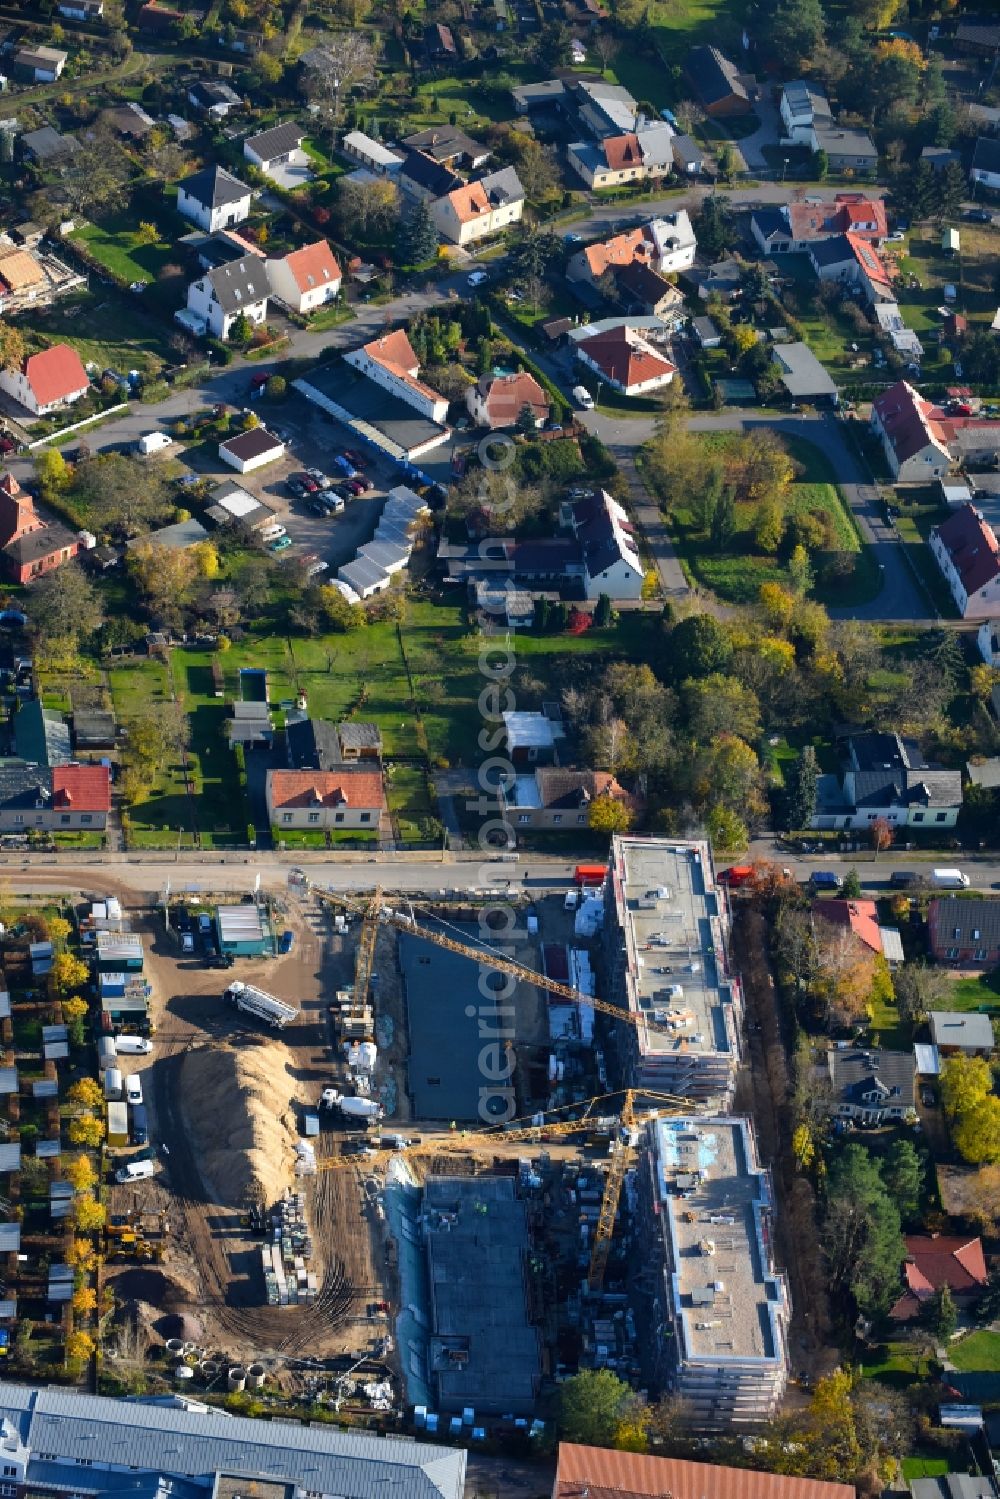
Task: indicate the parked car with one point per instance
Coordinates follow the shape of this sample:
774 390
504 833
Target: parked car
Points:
133 1088
928 1098
364 482
187 942
358 459
476 278
286 941
319 507
317 475
281 545
7 444
978 216
204 923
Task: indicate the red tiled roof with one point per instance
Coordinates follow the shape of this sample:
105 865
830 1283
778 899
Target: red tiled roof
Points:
394 352
81 788
507 395
869 259
938 1260
469 202
326 788
55 374
620 359
599 1471
972 545
621 152
861 916
848 214
909 422
313 265
621 250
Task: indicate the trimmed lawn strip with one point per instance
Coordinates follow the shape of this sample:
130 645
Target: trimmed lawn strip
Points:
980 994
980 1351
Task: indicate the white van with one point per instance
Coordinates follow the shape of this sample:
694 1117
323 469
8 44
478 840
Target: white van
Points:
572 900
134 1171
583 398
949 879
273 531
133 1089
153 442
133 1046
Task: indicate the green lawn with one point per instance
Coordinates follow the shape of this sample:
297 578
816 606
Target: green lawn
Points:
924 1465
115 243
107 328
409 801
982 993
914 530
899 1363
980 1352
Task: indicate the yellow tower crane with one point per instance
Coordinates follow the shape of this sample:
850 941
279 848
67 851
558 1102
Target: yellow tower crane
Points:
622 1154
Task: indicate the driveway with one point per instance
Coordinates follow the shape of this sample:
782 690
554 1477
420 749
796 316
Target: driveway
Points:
293 173
768 133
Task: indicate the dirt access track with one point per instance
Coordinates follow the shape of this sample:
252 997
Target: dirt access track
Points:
211 1268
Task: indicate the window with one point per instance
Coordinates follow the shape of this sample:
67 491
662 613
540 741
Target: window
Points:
366 817
314 817
85 817
64 819
951 952
9 1471
980 954
940 816
286 817
556 819
524 817
918 817
18 818
582 818
338 817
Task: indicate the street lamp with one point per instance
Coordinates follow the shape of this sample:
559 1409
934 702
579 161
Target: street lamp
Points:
784 166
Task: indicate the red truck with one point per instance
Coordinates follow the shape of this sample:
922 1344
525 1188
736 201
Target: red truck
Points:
736 875
590 874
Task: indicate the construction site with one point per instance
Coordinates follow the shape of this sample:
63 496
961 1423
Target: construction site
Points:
390 1161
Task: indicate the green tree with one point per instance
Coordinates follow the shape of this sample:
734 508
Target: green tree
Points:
65 605
277 387
241 331
714 226
51 471
903 1173
726 830
862 1237
801 786
609 815
820 165
951 191
603 612
797 30
418 238
717 704
851 888
940 1314
697 646
591 1406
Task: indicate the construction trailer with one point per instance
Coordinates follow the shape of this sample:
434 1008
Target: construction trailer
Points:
117 1123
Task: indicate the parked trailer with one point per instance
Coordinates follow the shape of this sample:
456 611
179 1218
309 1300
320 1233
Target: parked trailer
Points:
266 1007
107 1053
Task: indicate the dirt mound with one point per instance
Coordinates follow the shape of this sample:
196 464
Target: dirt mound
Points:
242 1126
151 1286
179 1325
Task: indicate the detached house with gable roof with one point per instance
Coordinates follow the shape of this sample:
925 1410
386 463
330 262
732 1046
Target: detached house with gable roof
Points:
44 382
886 777
29 544
478 209
218 297
625 360
497 401
911 435
965 548
607 538
307 278
871 1086
936 1260
717 84
213 199
350 797
553 799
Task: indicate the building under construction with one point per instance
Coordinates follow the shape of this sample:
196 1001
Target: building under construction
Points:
713 1308
666 936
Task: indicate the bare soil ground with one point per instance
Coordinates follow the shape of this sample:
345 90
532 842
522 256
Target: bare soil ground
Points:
211 1266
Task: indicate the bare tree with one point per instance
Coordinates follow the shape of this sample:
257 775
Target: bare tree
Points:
345 62
364 207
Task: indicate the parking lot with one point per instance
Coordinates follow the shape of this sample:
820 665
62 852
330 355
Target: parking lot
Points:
313 439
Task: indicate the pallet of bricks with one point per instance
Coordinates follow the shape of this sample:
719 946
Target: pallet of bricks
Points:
286 1275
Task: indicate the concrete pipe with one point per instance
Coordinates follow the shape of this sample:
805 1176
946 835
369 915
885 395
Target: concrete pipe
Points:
237 1378
255 1376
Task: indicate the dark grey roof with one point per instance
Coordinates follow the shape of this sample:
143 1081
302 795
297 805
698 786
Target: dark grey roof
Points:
977 32
239 283
214 187
357 735
46 144
24 787
208 94
832 251
986 155
429 174
445 143
713 75
503 186
837 141
873 750
312 744
277 141
770 223
253 443
855 1072
687 150
157 1439
947 916
953 1485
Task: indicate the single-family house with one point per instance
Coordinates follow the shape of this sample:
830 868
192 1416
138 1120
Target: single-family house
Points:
29 544
305 279
213 199
533 97
47 145
81 797
40 64
497 401
937 1260
965 932
716 82
607 539
861 918
389 361
689 159
221 295
439 44
251 449
550 798
979 36
610 162
965 548
870 1085
674 242
802 375
641 290
801 106
626 361
851 259
795 226
940 157
847 150
214 98
449 146
478 209
959 1032
46 381
352 797
371 154
533 738
986 161
275 147
911 435
885 777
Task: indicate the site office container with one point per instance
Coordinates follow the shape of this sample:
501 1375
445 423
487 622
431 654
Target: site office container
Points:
590 874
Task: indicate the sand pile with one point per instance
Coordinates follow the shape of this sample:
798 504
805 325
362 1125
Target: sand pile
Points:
242 1125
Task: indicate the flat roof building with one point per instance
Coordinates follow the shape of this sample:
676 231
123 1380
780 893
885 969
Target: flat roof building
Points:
244 930
666 933
483 1352
717 1333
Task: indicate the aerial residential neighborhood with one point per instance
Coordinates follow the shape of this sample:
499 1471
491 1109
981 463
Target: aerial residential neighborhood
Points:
500 764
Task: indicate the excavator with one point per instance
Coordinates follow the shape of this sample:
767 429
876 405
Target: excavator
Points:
374 911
